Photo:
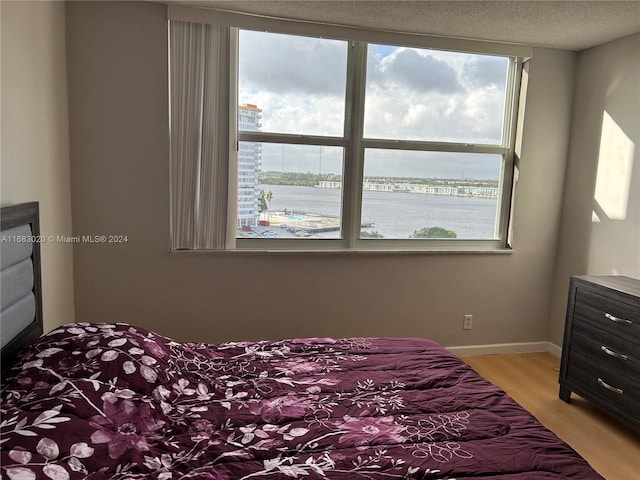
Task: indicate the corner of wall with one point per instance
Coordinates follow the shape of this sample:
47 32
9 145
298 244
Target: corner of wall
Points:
600 235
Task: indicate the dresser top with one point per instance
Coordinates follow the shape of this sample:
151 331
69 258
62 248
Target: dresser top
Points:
628 285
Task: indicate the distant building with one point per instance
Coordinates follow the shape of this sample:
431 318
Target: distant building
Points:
249 166
457 191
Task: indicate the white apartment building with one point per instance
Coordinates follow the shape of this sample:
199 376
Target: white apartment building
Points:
249 165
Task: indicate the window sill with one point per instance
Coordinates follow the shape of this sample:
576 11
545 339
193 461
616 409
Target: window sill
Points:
344 252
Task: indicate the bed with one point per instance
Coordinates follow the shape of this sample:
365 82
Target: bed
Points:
117 401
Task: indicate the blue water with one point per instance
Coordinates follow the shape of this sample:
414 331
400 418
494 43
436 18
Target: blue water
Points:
396 214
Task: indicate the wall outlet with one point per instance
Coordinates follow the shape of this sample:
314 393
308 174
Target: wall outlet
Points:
468 322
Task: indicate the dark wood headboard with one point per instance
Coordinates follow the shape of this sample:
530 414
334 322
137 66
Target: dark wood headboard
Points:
13 216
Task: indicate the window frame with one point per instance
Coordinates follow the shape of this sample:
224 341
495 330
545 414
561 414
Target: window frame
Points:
353 141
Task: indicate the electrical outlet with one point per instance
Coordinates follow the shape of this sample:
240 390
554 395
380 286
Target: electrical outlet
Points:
468 322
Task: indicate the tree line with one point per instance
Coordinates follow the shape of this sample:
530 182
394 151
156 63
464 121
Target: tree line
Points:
310 179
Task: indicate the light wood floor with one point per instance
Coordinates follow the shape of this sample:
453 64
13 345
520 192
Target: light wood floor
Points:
531 379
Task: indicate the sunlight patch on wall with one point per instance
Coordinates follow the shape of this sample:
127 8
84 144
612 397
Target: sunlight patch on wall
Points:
615 165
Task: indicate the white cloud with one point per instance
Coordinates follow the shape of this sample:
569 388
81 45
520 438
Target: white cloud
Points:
413 94
299 113
413 69
284 63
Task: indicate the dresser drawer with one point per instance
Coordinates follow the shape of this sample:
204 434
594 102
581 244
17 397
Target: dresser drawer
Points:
610 315
601 348
612 389
607 350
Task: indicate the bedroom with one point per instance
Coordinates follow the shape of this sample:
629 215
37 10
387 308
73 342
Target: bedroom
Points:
100 166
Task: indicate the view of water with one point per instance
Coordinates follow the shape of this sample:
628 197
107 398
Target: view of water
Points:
395 214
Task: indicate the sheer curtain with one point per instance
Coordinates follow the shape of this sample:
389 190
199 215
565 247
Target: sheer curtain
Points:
199 123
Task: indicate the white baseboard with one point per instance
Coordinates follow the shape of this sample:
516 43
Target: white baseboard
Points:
498 348
554 349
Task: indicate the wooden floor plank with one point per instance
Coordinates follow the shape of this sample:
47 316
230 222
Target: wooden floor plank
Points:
531 379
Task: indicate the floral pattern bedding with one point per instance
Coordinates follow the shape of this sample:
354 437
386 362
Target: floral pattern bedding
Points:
113 401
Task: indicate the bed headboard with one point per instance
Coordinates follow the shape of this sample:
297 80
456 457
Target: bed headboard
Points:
21 290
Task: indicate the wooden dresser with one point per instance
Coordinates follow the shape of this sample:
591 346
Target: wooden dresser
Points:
601 349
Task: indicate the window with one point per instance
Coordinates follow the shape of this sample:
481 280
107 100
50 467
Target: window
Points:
346 143
300 85
421 195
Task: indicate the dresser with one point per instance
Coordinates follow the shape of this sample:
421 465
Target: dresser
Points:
601 348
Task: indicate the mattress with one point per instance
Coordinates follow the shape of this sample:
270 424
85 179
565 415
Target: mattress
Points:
115 401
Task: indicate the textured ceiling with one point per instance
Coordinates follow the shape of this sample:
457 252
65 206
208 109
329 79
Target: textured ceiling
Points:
572 25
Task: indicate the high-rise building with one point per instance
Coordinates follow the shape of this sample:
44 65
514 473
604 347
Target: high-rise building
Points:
249 165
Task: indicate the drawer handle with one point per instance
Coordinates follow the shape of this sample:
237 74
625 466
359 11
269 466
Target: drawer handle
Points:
609 387
610 352
618 320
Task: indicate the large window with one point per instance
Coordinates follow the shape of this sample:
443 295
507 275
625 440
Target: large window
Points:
355 144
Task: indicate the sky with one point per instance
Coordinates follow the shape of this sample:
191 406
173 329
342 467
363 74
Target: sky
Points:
412 94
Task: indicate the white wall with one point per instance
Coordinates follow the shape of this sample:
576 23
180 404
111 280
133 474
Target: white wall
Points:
600 233
117 64
35 137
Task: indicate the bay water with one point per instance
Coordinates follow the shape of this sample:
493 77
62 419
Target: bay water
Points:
395 214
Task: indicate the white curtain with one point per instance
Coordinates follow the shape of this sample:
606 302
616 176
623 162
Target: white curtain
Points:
199 84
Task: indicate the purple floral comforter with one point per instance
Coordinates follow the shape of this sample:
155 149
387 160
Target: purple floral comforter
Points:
105 401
